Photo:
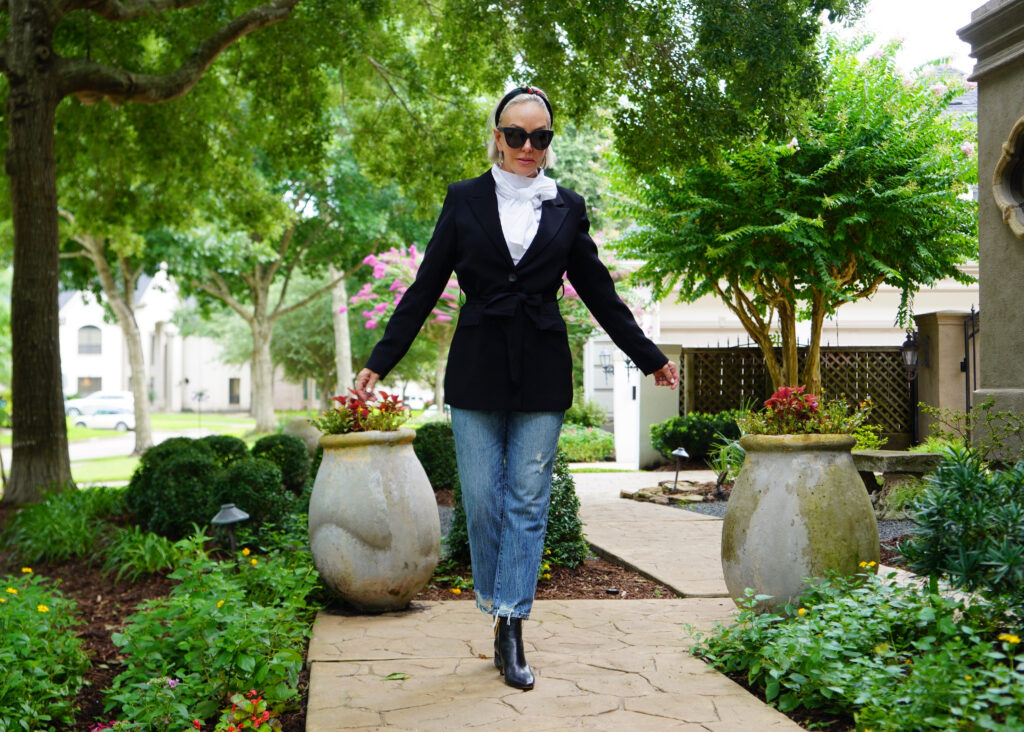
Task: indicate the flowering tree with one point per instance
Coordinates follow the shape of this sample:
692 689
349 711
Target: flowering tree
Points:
876 190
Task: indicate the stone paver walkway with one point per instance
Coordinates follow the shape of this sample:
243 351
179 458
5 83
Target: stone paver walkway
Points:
600 664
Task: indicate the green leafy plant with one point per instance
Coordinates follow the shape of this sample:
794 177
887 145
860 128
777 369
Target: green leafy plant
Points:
64 525
226 448
247 711
585 444
146 495
987 431
938 444
218 629
695 432
726 457
869 437
42 657
254 485
585 413
971 528
131 553
288 453
185 491
353 414
895 657
434 446
792 411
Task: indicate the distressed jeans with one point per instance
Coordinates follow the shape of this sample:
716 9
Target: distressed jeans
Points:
505 462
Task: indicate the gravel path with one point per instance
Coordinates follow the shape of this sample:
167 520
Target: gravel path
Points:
887 529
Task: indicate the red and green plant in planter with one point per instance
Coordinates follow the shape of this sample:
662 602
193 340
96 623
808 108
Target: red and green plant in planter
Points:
792 411
353 414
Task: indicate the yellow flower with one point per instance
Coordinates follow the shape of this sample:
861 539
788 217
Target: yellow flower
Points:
802 611
547 551
456 591
26 570
254 561
246 552
968 678
42 608
872 564
1010 638
862 565
220 603
547 575
3 600
12 590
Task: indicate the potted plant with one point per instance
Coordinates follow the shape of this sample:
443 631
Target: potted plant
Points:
798 507
373 524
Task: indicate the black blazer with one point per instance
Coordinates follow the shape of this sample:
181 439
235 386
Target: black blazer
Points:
510 350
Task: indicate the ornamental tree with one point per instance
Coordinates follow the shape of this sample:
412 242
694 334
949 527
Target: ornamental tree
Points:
782 229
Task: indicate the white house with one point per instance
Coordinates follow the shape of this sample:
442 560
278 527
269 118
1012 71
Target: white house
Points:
183 372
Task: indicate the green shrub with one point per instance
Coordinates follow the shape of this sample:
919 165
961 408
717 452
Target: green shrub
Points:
585 444
971 527
726 456
254 485
895 657
584 413
132 553
563 544
64 525
226 449
289 454
435 447
41 655
141 496
184 490
869 437
695 432
219 631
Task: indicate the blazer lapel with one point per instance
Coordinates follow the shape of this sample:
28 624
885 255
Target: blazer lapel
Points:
485 208
552 216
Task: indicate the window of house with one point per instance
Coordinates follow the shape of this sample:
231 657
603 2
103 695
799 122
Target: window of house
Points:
89 384
234 391
90 340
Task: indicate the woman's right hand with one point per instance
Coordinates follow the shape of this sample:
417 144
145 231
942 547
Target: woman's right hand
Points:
365 381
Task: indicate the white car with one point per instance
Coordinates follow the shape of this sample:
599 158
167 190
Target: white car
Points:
100 400
107 419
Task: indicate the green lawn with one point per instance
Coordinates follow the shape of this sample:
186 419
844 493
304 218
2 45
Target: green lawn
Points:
103 470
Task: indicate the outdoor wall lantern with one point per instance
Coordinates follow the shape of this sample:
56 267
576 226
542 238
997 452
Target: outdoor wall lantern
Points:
630 366
227 517
910 351
606 365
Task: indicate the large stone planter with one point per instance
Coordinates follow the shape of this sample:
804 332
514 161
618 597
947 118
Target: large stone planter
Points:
797 509
373 522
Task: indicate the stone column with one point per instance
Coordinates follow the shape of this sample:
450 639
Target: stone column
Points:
996 35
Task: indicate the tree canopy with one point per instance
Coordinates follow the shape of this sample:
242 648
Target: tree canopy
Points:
876 190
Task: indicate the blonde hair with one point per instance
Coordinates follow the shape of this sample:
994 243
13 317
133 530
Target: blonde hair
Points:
493 154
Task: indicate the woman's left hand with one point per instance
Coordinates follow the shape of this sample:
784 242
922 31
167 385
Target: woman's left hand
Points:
667 375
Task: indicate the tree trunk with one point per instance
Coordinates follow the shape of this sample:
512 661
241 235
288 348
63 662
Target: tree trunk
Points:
812 367
342 338
262 375
122 301
442 350
790 357
40 440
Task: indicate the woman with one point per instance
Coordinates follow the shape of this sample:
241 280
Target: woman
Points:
509 235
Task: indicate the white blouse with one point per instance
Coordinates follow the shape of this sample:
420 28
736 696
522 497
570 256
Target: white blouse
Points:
519 202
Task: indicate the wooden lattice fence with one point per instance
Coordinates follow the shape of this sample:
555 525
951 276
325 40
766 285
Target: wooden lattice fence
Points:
717 379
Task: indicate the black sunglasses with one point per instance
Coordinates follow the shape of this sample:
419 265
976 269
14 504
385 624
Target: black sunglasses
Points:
516 137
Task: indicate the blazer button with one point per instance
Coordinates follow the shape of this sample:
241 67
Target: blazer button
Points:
512 277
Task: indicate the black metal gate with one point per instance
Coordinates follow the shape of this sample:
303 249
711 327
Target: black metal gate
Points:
972 326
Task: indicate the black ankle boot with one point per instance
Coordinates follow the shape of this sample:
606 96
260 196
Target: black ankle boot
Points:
510 656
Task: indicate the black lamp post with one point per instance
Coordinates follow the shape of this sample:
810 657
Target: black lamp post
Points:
910 351
227 517
680 453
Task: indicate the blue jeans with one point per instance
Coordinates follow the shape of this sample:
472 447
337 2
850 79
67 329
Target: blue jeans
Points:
505 463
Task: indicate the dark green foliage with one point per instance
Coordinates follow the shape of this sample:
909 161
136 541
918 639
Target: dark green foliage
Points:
435 448
318 458
696 432
183 491
288 453
226 448
564 539
142 494
564 543
253 484
584 413
62 526
971 527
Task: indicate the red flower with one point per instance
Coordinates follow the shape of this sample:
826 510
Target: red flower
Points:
197 724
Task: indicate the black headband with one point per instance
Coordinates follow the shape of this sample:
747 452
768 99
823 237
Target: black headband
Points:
515 93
